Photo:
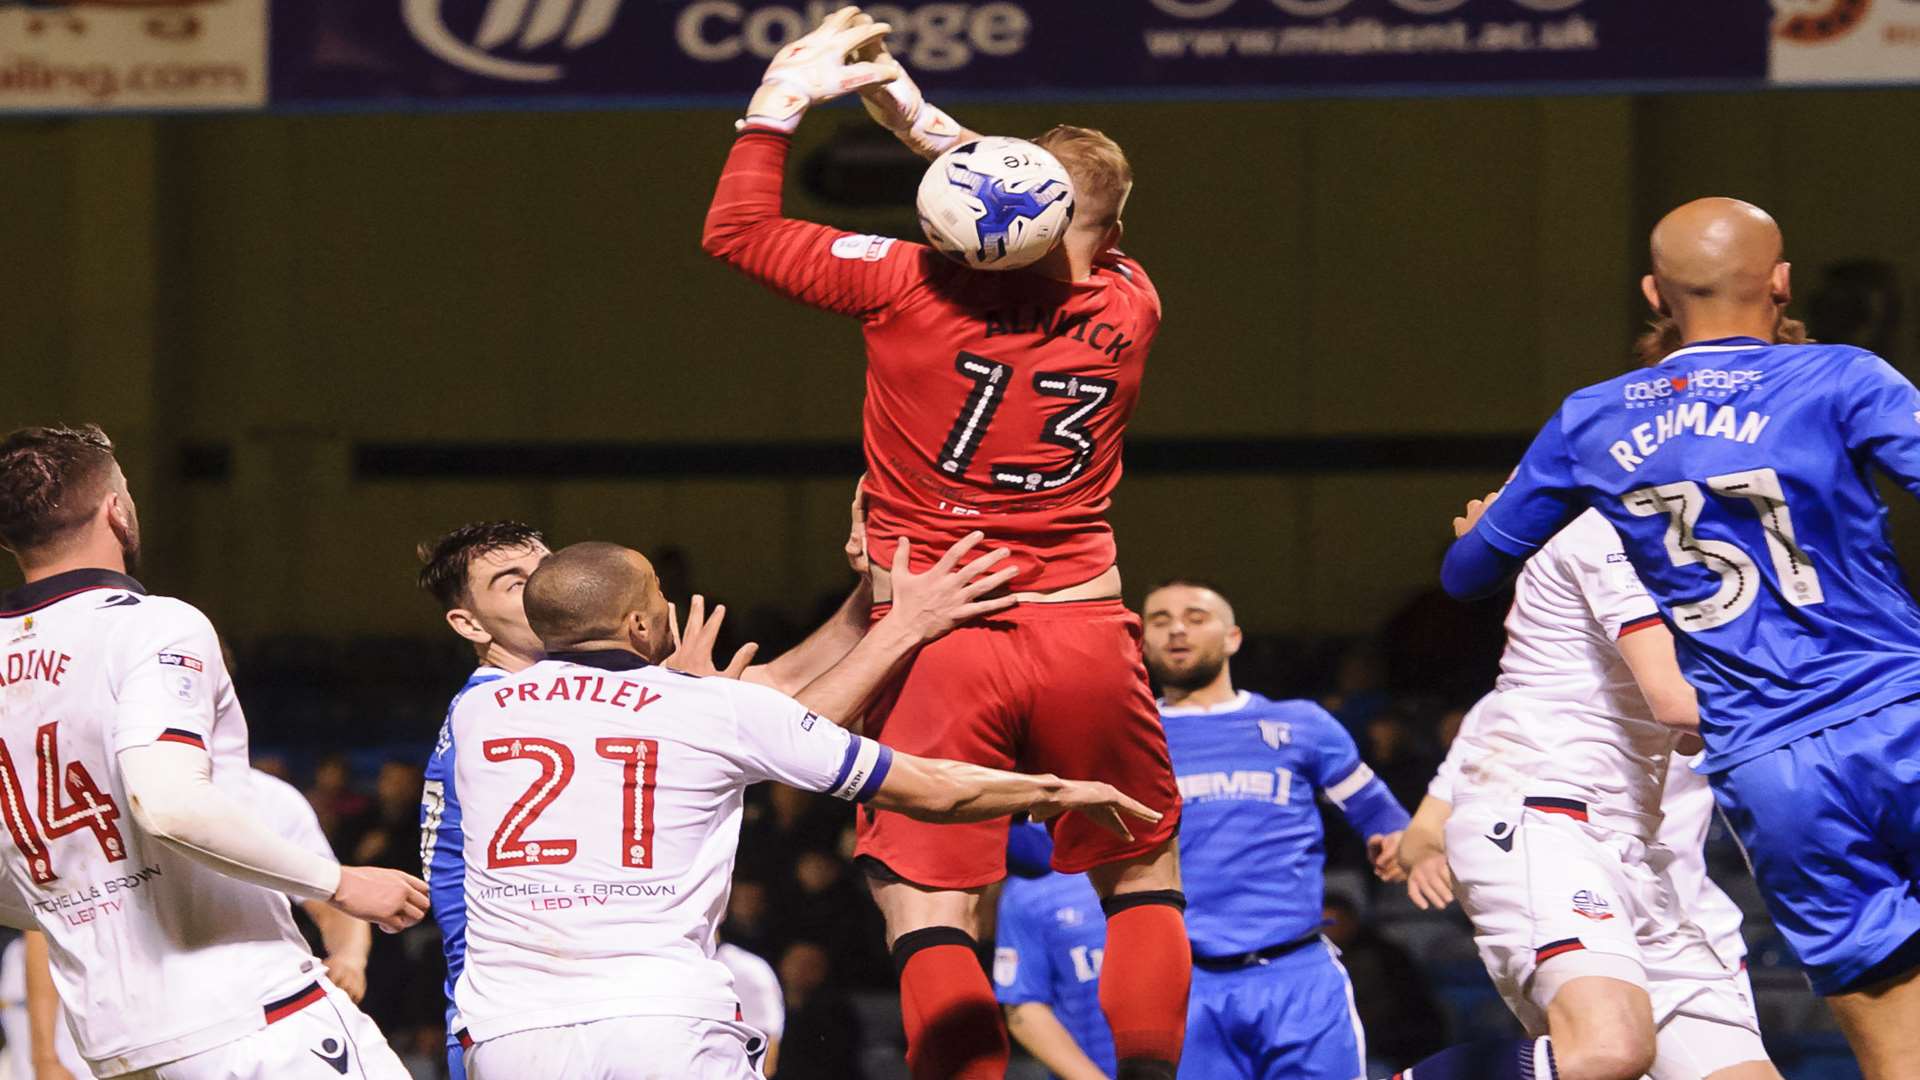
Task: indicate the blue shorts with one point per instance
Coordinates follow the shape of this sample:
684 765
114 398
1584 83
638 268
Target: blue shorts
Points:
1831 823
1291 1017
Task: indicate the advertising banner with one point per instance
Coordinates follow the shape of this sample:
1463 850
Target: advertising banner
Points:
712 51
1846 41
132 54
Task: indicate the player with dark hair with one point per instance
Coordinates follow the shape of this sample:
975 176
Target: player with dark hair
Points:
998 402
123 765
1270 998
1738 472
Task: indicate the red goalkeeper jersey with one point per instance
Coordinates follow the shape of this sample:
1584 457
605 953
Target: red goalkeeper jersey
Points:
995 400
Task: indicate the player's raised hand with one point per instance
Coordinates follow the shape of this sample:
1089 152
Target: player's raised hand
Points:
817 67
900 107
1475 509
948 595
389 899
693 649
1383 849
1430 883
1103 804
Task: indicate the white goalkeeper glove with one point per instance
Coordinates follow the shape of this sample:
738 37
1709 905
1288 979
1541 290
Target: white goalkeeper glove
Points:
816 68
901 108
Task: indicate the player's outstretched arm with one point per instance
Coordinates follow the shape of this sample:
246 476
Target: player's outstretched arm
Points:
174 799
934 789
952 592
1034 1026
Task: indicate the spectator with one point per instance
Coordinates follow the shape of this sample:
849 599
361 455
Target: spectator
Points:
1402 1022
342 810
823 1036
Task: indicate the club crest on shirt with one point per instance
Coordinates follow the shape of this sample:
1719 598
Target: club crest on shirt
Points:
1276 733
1069 916
1591 905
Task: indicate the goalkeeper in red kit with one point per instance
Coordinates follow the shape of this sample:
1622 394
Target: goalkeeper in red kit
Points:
995 401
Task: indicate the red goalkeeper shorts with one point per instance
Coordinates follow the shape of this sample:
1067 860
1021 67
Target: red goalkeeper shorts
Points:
1045 688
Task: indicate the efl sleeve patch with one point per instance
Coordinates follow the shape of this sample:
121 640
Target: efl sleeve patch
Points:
863 248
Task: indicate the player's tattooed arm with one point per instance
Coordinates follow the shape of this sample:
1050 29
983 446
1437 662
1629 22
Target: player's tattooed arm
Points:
925 607
937 790
1034 1025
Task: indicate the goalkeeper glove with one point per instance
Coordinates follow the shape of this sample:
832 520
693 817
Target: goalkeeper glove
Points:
901 108
815 68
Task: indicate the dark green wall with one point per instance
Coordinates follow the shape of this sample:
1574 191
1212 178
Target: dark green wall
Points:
289 287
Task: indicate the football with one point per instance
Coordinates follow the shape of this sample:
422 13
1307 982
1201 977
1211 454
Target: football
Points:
995 203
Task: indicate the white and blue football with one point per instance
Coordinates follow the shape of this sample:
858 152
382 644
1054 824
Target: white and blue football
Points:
995 203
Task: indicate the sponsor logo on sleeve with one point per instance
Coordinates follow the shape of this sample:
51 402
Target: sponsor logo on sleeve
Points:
175 659
862 248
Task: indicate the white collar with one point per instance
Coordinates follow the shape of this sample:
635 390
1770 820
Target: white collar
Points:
1695 349
1240 701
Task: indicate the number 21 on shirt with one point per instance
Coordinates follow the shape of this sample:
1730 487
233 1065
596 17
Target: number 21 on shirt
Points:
638 760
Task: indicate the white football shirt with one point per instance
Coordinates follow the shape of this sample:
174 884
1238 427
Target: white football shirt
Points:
1565 718
156 956
601 809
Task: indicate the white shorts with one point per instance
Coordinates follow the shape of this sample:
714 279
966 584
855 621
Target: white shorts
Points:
1554 898
623 1048
319 1035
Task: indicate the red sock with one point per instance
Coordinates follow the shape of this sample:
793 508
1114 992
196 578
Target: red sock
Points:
952 1020
1144 978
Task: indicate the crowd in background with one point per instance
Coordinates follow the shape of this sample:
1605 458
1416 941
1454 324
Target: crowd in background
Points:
799 902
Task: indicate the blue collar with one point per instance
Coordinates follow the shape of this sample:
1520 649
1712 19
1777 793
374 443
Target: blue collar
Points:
1727 341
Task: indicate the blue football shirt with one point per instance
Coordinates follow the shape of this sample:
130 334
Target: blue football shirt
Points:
1252 853
1050 940
1740 476
442 862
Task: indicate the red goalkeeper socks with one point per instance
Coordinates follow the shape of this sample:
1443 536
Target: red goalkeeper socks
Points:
1144 979
952 1020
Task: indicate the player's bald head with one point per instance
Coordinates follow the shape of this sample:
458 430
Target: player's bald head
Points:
1716 249
1717 259
589 592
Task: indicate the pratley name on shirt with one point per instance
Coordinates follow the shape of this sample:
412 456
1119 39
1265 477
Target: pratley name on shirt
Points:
592 688
1690 419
